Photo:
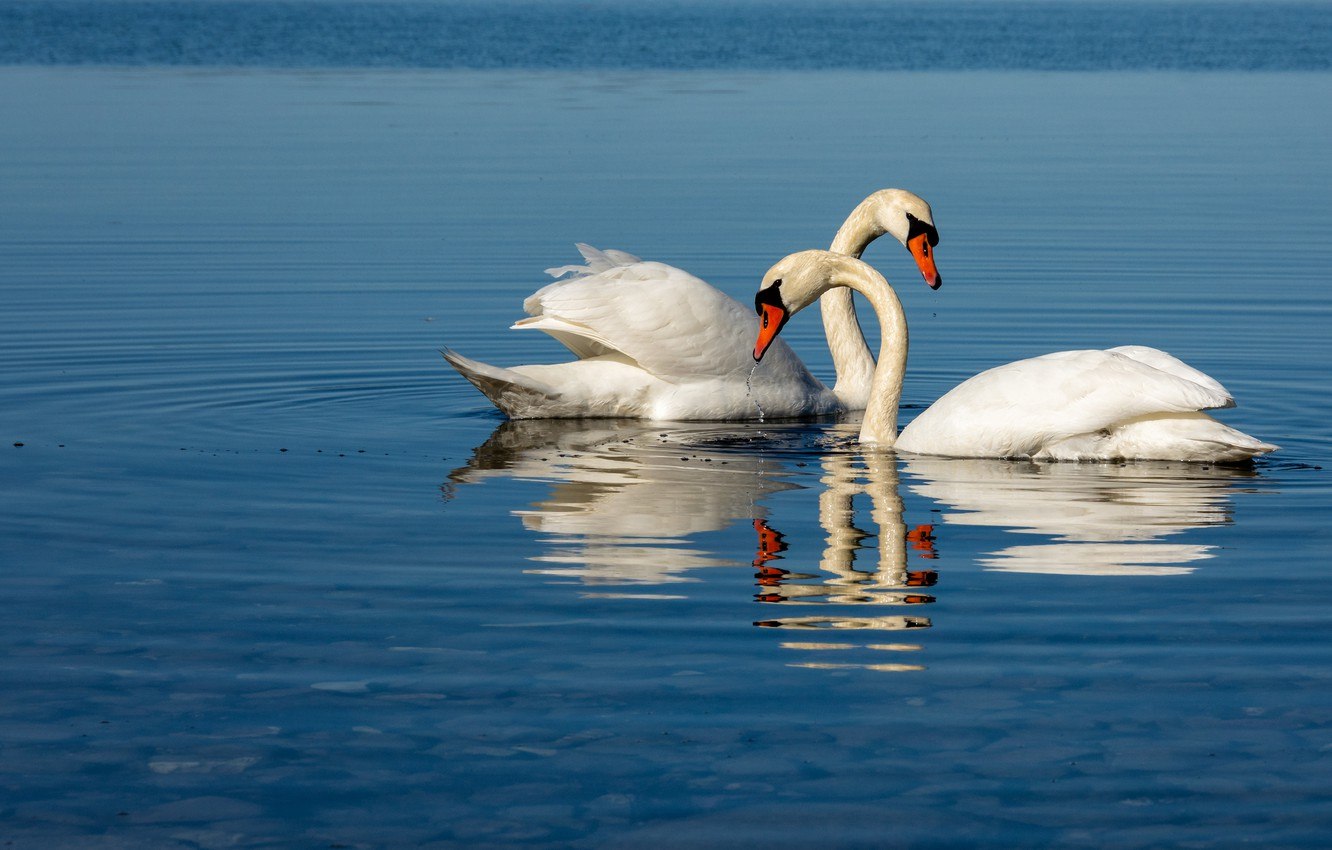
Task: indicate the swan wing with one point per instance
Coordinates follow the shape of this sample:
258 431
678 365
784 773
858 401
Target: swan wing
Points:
652 341
1172 365
1017 409
669 322
596 260
581 341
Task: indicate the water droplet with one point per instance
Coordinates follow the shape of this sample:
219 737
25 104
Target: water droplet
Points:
749 388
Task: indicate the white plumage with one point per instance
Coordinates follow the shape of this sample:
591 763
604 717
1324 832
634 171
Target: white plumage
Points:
1132 402
653 342
1128 402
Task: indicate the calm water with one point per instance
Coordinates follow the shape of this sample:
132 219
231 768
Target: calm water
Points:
274 576
771 35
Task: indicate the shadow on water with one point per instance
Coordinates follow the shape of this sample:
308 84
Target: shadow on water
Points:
626 500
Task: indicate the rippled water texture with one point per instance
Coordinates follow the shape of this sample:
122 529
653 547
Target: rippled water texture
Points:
273 575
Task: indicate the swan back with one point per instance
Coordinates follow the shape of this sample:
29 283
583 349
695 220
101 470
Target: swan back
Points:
1074 399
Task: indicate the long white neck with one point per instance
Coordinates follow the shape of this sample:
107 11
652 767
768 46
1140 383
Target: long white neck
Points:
850 353
880 423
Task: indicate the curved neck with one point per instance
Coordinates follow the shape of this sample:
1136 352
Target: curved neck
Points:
880 423
850 353
859 230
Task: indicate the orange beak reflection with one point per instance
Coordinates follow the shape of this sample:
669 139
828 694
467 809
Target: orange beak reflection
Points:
924 254
771 319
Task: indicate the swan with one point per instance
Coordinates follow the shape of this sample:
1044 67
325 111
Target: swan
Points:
655 342
1131 402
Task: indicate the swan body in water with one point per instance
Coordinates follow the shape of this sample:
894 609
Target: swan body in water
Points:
652 341
1131 402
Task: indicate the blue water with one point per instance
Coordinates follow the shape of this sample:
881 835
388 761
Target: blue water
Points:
769 35
273 575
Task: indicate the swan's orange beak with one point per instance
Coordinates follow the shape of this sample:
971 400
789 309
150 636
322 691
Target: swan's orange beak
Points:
924 254
771 319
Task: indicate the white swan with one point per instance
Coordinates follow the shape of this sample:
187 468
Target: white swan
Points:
655 342
1131 402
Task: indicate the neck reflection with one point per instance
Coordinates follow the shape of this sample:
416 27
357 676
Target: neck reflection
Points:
888 581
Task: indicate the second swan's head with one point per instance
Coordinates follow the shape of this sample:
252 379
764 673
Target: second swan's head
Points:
902 214
796 282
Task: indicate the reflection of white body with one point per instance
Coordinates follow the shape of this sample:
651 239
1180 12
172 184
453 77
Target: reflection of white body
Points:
624 500
631 531
1102 518
655 342
1130 402
1088 559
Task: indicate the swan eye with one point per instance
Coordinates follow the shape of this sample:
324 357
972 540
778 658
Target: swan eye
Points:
917 227
771 296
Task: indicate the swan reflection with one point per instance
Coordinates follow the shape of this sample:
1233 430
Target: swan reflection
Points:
887 581
625 501
1101 519
626 497
839 580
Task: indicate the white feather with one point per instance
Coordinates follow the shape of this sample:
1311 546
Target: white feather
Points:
653 342
691 345
1083 405
1131 402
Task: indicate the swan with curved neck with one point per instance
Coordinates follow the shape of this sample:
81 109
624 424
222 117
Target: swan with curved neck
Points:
1130 402
655 342
910 221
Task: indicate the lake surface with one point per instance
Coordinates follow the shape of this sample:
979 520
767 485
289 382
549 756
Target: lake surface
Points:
774 35
274 576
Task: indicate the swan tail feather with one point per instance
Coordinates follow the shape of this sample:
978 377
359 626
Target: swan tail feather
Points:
1240 446
1194 437
1220 442
519 396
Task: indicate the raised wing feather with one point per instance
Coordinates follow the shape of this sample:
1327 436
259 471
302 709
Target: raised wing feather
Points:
597 261
664 319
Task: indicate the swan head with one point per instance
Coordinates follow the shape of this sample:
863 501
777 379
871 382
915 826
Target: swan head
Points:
792 284
902 214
